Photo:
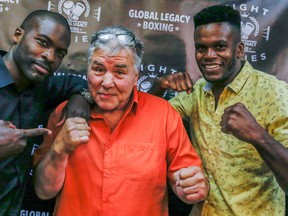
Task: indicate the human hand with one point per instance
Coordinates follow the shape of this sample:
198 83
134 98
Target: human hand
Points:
77 106
74 132
13 141
238 121
178 82
191 184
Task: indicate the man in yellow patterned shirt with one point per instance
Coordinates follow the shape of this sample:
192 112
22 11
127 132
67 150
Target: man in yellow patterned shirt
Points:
238 121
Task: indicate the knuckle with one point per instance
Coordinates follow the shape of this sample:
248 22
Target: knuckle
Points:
18 133
202 194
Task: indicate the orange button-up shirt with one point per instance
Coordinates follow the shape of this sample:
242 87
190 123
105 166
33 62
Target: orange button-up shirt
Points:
124 172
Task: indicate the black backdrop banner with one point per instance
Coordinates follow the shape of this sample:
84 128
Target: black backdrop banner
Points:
166 27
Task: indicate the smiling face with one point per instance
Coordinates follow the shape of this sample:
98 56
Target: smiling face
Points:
40 51
111 79
218 52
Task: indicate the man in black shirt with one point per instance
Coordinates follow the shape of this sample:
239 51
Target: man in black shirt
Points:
27 95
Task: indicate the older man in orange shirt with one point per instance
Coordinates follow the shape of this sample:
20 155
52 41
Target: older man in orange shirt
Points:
118 163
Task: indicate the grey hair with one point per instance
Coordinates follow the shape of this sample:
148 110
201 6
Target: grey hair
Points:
114 44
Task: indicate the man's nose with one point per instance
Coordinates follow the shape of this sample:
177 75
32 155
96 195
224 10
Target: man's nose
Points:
211 53
108 80
49 55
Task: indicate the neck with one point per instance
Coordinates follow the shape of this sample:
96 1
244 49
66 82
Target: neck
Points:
218 87
113 117
20 81
221 84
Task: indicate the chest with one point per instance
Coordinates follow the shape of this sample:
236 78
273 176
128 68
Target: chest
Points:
24 110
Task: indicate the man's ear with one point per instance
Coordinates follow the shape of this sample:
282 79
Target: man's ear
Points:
136 78
240 49
19 32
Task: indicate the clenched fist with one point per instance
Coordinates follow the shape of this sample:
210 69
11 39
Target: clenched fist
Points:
191 184
74 132
238 121
177 82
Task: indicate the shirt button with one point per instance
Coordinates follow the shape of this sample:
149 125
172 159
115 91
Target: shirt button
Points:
206 201
209 151
106 200
107 172
210 176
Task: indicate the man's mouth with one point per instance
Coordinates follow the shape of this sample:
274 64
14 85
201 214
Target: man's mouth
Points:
42 68
105 95
211 67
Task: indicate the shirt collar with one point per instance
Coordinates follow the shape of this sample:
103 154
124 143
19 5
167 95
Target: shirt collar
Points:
5 75
238 81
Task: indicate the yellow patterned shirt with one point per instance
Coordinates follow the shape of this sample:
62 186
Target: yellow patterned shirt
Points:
240 181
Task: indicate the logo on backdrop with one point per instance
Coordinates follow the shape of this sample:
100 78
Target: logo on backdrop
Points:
252 31
158 21
6 8
77 12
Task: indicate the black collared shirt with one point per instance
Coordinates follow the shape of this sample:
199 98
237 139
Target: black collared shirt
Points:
27 109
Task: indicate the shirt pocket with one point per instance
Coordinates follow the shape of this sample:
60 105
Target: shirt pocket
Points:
142 161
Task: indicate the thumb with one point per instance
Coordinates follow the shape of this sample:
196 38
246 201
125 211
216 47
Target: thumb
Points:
176 177
12 126
84 139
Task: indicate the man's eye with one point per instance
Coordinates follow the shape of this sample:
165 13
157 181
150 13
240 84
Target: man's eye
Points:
42 42
98 70
61 54
200 48
220 47
120 73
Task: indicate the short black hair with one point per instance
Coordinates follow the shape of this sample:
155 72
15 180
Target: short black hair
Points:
218 13
34 17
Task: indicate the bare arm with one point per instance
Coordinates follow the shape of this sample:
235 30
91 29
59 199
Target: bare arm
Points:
190 186
76 106
50 172
238 121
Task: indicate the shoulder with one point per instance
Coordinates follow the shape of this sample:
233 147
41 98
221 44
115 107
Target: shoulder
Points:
145 97
153 103
57 114
200 83
265 80
266 86
65 78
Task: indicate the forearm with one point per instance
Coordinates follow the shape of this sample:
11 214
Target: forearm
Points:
62 88
50 174
156 89
276 157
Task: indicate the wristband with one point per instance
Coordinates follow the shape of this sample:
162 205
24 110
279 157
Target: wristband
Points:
86 94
